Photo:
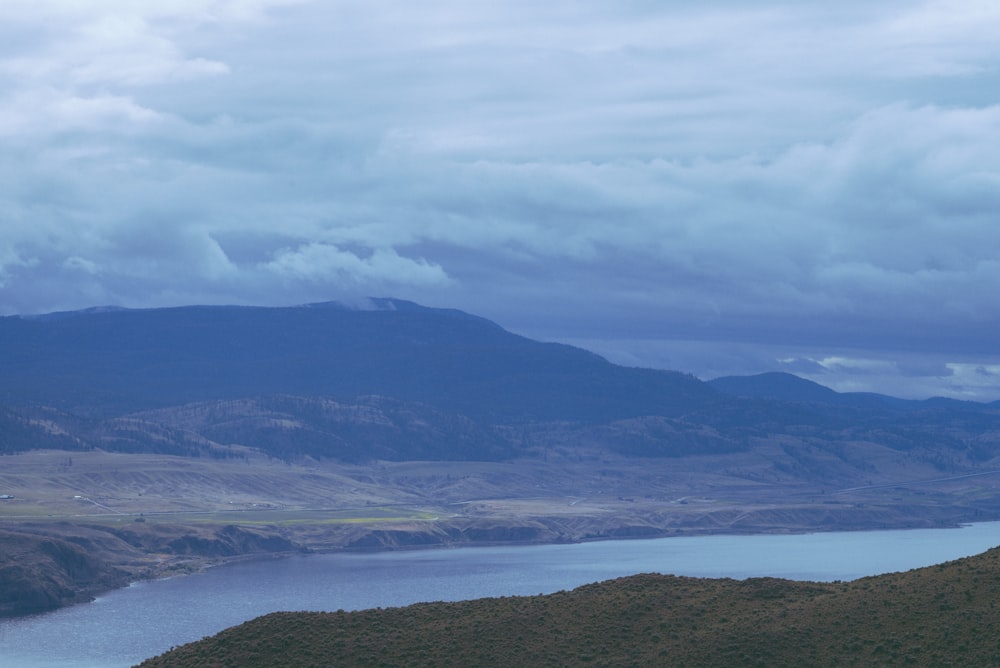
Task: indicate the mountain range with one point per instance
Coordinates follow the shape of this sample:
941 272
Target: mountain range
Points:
398 381
107 362
150 442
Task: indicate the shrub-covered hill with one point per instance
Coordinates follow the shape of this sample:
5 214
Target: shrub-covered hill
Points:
944 615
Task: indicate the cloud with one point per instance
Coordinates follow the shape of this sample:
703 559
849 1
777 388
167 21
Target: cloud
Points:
973 381
125 50
325 263
186 11
45 112
945 38
81 56
728 178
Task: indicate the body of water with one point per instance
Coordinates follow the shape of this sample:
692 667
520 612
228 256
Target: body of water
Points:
128 625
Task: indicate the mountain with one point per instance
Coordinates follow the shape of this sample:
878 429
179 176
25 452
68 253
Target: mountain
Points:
780 386
398 381
110 362
776 385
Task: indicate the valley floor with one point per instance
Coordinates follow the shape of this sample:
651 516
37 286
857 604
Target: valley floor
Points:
80 523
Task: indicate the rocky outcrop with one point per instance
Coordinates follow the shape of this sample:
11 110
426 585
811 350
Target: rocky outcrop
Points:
459 532
43 567
390 539
505 533
226 541
39 573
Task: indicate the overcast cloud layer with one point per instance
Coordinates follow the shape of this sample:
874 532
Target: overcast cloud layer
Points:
714 187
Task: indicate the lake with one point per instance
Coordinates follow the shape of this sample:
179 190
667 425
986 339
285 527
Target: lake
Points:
128 625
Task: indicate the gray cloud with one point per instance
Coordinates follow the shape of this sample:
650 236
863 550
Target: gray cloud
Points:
747 184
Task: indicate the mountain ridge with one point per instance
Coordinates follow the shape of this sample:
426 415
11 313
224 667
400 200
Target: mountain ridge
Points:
115 361
783 386
777 385
446 385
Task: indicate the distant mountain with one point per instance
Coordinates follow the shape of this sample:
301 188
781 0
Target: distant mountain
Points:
394 380
776 385
788 387
107 362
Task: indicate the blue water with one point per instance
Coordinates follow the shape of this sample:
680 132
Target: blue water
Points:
132 624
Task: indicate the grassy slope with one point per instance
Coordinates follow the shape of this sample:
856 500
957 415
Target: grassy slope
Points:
937 616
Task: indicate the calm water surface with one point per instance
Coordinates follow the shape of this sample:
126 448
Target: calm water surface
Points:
132 624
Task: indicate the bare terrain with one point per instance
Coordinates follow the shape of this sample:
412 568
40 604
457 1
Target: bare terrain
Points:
732 493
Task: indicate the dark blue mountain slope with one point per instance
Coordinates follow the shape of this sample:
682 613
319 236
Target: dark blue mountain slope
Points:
106 362
780 386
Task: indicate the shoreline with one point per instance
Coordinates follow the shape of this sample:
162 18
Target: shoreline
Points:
174 516
125 570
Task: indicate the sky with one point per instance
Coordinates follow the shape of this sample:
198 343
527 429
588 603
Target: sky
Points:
717 187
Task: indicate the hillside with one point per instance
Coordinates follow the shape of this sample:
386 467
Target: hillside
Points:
943 615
